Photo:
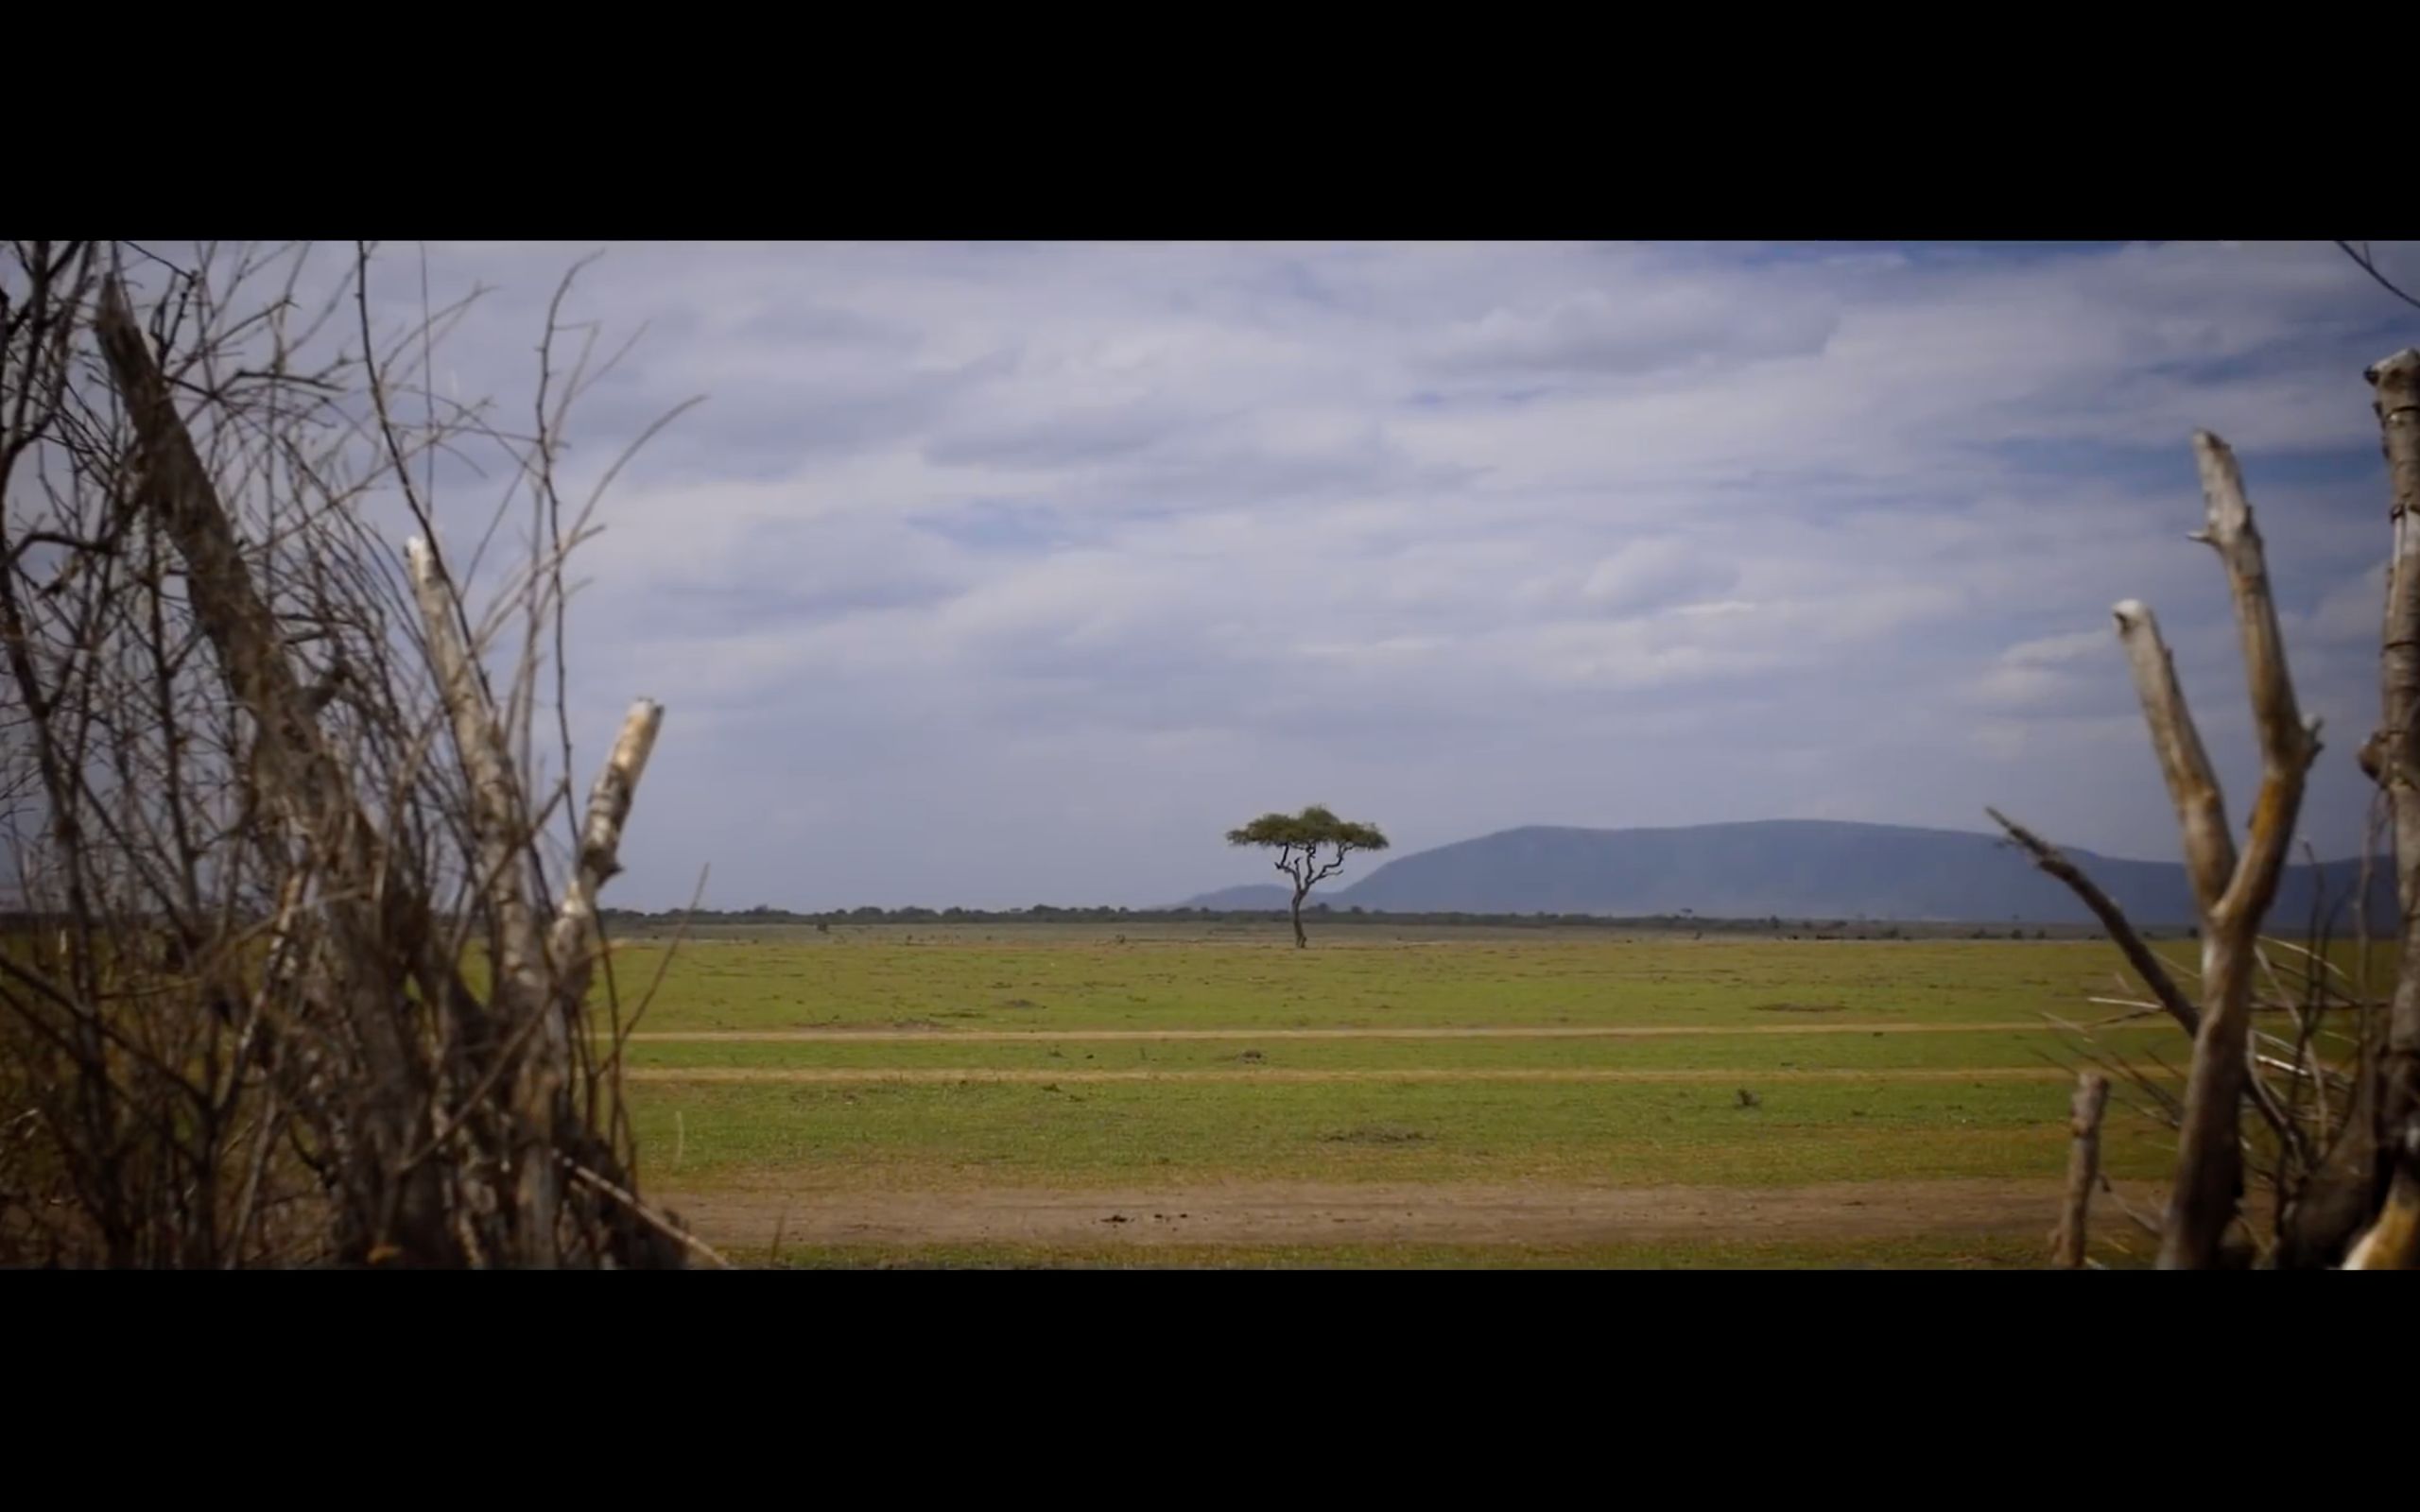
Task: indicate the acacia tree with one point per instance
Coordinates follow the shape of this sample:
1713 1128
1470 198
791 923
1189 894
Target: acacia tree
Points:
1298 839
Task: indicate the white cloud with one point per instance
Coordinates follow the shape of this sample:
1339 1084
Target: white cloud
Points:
1650 327
2352 610
1062 553
1643 574
2059 650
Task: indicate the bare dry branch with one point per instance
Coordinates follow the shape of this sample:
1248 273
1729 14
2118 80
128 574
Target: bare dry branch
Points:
2204 1199
2192 785
648 1215
609 806
2287 745
2146 965
2369 264
499 813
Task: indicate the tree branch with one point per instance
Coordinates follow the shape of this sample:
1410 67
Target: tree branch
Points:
2287 745
1332 868
2192 786
643 1214
496 807
2206 1195
2371 268
2147 965
600 843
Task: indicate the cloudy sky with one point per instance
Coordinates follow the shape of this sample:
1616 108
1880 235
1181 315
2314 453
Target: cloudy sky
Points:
997 574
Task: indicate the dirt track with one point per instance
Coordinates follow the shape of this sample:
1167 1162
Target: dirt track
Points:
1006 1037
1335 1213
1593 1074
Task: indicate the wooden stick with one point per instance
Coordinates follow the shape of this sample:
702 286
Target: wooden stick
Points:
2083 1167
643 1214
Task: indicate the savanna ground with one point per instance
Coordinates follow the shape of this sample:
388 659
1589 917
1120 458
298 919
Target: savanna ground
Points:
1041 1094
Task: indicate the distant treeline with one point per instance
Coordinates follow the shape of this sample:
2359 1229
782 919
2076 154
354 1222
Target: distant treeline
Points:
1331 918
625 919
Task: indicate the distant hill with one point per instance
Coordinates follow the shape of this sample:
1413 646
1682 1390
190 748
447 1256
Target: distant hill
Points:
1790 869
1246 898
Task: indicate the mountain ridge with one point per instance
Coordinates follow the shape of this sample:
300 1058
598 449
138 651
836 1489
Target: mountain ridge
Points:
1797 869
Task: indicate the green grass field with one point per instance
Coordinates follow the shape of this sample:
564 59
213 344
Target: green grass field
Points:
866 1092
1049 978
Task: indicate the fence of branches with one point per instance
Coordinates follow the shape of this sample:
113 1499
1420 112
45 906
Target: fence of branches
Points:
301 964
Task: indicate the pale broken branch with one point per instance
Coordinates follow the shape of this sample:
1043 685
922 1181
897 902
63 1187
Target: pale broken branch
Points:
487 762
2192 785
2287 745
601 845
540 1053
2083 1167
557 1011
2204 1199
2146 965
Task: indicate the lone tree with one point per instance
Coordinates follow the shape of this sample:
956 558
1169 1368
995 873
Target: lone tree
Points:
1297 838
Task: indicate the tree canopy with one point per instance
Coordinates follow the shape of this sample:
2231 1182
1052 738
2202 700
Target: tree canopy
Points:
1315 826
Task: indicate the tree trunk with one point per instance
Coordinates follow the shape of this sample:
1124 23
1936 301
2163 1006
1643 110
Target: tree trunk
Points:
2209 1151
1301 939
2396 381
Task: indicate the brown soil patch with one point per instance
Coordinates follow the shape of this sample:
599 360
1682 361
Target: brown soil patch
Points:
1338 1213
1594 1074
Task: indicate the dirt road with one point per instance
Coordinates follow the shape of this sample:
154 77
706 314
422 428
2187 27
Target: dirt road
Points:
1339 1213
824 1075
1010 1036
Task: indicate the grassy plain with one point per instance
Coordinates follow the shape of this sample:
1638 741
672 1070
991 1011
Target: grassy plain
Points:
1041 977
897 1079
